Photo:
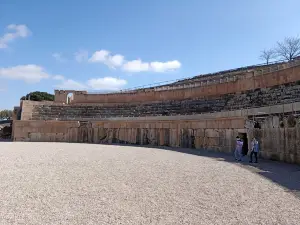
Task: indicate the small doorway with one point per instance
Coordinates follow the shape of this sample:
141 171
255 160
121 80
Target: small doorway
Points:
244 137
69 98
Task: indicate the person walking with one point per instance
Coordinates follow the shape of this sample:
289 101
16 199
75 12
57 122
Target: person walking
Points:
238 149
254 149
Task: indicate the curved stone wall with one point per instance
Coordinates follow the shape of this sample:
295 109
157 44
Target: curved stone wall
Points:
249 82
276 95
216 134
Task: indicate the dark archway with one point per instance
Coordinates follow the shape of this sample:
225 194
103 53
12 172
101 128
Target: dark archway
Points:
69 98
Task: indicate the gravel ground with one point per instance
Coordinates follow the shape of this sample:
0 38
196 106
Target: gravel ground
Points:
60 183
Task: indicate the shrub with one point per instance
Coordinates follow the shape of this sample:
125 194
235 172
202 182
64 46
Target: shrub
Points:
38 96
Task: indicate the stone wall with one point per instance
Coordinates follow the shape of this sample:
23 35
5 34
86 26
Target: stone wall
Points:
255 81
276 95
218 135
28 106
215 134
279 143
61 96
227 75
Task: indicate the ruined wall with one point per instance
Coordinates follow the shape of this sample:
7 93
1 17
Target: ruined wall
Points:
28 106
278 143
16 114
279 109
249 83
276 95
215 134
60 96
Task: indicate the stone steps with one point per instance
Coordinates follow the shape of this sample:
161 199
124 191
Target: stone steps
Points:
281 94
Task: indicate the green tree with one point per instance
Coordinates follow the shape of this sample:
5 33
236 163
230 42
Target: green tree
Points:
5 114
38 96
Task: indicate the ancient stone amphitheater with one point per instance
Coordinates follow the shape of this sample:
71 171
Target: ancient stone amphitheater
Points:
203 112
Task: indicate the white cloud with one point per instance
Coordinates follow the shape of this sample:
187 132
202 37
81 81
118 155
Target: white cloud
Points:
116 60
105 57
15 31
136 66
70 84
165 66
99 56
81 55
59 57
106 83
58 77
29 73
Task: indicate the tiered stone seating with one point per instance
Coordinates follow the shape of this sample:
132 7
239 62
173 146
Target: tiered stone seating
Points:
255 98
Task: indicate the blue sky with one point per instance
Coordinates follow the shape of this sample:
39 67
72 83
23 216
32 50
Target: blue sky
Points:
110 44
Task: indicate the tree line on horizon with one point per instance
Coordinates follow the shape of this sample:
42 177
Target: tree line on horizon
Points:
287 50
5 114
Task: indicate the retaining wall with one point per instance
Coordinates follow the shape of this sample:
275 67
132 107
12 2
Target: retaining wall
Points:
248 83
215 134
282 94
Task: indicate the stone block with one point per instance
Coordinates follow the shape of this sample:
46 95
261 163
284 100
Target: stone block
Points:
224 124
173 125
199 142
224 114
213 133
291 141
199 132
222 88
152 125
244 112
296 106
184 125
198 124
288 108
212 124
231 114
166 125
275 121
159 125
276 109
238 123
212 142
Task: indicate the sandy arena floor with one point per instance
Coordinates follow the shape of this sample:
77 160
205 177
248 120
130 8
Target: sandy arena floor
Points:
60 183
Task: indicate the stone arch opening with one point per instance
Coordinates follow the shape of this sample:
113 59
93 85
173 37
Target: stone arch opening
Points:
69 97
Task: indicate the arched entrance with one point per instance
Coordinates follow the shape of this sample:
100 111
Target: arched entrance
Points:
69 98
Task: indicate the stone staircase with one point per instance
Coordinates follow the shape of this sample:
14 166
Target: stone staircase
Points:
282 94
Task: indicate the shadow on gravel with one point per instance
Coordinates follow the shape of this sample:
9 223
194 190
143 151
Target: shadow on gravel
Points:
5 140
283 174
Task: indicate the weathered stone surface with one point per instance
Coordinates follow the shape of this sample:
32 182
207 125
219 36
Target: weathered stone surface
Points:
222 83
252 99
275 143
